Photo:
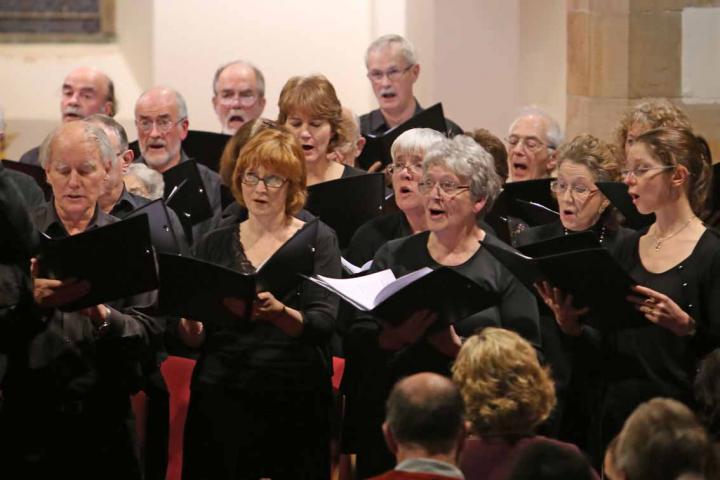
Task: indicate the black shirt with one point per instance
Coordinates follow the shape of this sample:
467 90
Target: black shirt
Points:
374 123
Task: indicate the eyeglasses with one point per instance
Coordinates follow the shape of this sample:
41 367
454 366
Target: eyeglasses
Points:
577 190
163 125
270 181
531 143
448 187
640 172
412 168
392 74
245 99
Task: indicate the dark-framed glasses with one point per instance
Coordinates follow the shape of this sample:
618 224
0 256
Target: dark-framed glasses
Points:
270 181
392 73
448 187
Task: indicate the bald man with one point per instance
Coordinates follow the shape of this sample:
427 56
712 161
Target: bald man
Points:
424 428
238 94
85 91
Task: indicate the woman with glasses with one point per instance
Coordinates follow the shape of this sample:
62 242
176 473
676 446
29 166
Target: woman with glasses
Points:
676 263
310 109
261 391
581 162
407 152
459 184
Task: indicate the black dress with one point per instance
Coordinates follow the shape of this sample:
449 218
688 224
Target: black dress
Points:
577 375
370 372
650 361
260 399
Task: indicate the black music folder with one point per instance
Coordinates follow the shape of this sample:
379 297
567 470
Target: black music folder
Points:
346 203
196 289
591 275
185 193
161 231
117 260
377 148
617 193
561 244
529 200
449 293
36 172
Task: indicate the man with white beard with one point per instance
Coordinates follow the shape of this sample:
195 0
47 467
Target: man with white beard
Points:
161 119
85 91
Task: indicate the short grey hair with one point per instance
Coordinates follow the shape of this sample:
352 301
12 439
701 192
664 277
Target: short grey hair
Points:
415 141
259 77
464 157
179 100
111 124
407 50
152 179
553 132
92 133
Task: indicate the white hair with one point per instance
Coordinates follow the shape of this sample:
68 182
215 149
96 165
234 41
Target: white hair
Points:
415 141
152 179
92 133
553 132
407 50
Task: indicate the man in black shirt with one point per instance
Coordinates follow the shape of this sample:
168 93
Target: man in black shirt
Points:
393 70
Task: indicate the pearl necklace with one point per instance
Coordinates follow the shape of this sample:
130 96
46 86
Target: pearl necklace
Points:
660 240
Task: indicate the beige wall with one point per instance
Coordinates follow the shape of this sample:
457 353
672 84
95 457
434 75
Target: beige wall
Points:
482 58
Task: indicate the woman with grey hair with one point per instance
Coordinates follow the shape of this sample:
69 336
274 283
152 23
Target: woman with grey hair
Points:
405 171
458 185
144 181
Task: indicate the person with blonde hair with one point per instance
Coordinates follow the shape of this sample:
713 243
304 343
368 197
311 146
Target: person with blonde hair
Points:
507 395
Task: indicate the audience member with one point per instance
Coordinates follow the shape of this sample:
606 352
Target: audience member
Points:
533 139
393 69
662 440
546 461
238 94
424 428
85 91
507 395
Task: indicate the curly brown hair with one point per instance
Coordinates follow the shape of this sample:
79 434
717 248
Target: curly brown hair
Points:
279 151
652 114
593 153
315 96
506 391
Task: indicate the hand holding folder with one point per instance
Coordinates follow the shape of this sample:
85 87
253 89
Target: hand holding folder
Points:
197 289
444 291
111 262
590 275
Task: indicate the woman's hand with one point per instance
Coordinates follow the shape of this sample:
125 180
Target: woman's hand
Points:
446 341
394 337
49 293
267 308
662 310
566 316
